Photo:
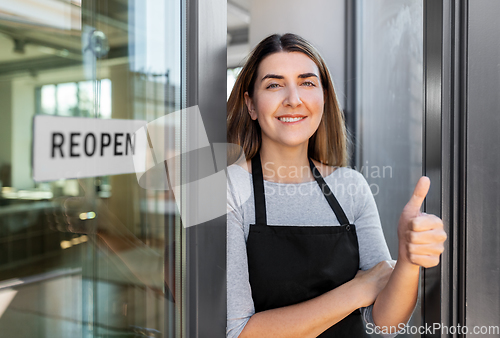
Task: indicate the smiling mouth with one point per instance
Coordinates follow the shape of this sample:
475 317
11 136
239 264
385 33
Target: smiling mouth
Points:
291 119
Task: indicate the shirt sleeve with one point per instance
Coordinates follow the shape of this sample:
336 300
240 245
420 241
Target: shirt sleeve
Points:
368 319
240 306
372 245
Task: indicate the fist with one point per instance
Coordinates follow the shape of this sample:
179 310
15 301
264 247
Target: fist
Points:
421 236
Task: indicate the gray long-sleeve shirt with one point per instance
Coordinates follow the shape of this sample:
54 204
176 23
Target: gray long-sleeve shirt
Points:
295 204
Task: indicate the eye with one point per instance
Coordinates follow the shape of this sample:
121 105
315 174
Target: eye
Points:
273 85
309 84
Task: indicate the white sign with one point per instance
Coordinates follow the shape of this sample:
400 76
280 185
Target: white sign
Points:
75 147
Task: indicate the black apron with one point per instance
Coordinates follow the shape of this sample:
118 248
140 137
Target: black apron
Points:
291 264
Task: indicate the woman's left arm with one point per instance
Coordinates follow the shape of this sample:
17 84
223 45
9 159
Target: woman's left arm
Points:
421 242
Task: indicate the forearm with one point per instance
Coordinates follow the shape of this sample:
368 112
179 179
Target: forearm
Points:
309 318
395 303
421 238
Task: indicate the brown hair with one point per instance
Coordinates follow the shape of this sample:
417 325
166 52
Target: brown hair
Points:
327 145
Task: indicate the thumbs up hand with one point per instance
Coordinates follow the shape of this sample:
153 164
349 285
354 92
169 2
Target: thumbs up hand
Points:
421 236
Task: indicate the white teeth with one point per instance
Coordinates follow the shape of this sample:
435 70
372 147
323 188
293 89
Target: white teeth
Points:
290 119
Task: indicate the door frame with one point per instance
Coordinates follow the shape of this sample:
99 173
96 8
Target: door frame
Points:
444 156
204 63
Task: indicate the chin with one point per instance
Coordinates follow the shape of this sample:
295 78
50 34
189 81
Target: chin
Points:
294 143
290 141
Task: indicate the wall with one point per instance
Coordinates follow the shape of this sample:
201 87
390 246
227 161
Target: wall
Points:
320 21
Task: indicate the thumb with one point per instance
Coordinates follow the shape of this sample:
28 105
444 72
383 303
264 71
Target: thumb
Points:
416 200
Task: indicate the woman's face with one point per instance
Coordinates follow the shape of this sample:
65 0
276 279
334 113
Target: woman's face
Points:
288 99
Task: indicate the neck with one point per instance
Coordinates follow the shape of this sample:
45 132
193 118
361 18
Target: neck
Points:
285 164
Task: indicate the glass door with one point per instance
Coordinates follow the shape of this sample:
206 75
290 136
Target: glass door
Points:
86 255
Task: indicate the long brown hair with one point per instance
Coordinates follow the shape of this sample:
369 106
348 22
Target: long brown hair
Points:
327 145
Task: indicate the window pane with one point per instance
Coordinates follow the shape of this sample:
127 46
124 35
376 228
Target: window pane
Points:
48 99
67 99
97 256
232 74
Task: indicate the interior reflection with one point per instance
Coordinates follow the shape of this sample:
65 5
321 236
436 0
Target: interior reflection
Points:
93 256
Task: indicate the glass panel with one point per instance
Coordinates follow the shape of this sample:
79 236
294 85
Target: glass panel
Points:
94 256
389 108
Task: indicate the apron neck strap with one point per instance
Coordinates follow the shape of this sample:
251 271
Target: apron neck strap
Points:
260 200
258 190
330 197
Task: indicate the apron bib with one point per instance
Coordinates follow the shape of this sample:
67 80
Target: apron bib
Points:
291 264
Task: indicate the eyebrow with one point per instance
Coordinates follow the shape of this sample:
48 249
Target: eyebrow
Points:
301 76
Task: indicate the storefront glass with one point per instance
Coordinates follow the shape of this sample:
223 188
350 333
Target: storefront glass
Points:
95 256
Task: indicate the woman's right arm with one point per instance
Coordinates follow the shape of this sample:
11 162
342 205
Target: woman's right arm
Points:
312 317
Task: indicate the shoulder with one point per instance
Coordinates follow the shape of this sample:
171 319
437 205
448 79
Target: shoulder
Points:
347 174
237 172
351 185
239 183
325 170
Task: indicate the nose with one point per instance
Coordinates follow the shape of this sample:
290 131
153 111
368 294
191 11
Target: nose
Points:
292 98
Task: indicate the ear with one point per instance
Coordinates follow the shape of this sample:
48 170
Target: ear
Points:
250 106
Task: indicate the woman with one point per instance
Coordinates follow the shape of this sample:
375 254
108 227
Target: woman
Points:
300 224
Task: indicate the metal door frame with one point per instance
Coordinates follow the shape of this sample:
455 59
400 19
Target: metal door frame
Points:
205 72
444 155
